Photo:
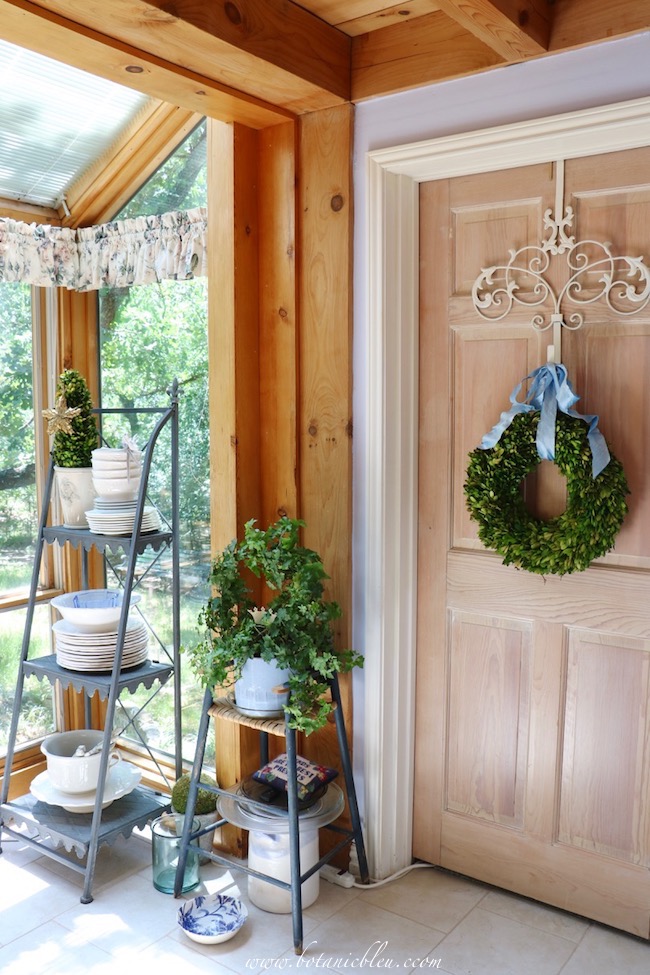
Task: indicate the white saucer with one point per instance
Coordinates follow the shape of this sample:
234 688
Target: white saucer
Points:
249 712
121 779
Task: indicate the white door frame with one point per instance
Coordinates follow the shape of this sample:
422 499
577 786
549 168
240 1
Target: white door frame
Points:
390 543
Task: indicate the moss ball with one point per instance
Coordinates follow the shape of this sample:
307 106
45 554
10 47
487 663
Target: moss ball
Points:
206 802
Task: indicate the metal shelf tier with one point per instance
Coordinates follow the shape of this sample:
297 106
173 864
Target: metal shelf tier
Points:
91 540
145 674
73 831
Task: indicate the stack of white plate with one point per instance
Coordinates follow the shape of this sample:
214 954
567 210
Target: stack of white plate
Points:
76 649
111 518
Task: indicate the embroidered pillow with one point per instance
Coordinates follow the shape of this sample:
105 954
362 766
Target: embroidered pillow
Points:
310 776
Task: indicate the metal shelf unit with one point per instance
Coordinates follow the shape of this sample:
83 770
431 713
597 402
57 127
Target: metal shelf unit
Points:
279 727
49 827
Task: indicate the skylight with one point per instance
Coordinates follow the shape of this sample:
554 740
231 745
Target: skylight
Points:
55 121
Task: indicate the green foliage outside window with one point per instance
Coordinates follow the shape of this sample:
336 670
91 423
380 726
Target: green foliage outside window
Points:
150 335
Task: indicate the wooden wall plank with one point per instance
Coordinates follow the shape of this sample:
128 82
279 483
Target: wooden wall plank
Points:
233 352
325 346
278 323
579 22
420 52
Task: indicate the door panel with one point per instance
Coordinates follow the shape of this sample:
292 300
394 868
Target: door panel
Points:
603 799
532 717
489 693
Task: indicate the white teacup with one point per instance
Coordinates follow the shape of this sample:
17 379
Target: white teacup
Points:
75 773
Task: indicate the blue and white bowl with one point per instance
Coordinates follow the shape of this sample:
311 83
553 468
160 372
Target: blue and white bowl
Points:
212 918
93 610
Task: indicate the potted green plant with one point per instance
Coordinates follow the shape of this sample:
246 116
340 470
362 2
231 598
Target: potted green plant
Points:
293 630
205 809
75 437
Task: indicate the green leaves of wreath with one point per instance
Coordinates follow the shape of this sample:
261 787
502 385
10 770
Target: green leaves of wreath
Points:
595 507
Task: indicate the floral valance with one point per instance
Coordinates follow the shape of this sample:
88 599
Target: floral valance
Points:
117 254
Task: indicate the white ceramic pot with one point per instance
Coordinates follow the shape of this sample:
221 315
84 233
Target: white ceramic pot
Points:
76 494
260 687
74 773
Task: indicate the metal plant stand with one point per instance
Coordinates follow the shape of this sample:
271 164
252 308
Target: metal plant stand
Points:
231 798
49 827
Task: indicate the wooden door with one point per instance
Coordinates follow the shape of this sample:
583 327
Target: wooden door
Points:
532 764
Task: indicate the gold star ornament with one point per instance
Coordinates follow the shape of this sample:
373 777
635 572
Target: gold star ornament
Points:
60 418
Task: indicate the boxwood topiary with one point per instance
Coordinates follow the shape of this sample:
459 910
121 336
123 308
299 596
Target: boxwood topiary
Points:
74 449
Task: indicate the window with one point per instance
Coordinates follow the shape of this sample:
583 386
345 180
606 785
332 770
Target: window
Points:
19 516
149 335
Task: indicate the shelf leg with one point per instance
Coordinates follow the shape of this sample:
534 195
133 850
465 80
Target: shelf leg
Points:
24 653
294 839
193 791
349 781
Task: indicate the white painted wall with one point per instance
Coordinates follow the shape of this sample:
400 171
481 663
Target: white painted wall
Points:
606 74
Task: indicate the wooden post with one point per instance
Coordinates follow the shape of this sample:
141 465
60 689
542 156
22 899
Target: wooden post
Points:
325 406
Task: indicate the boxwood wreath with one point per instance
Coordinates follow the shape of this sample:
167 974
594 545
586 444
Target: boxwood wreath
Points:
595 507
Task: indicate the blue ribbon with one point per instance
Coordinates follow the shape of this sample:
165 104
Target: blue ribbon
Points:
549 390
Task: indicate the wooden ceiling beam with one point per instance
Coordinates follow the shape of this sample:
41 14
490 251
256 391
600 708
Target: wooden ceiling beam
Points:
514 29
356 17
36 28
270 50
275 33
419 52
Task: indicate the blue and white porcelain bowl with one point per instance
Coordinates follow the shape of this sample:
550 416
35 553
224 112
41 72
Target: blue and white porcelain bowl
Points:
93 610
212 918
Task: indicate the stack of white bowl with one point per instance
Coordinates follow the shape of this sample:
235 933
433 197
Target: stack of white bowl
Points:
117 472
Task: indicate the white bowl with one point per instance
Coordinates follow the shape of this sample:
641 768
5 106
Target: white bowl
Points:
93 610
74 774
111 454
118 472
117 465
116 488
212 918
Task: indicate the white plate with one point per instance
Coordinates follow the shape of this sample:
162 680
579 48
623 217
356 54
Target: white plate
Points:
91 653
75 653
121 779
74 634
104 505
99 665
121 513
119 523
110 520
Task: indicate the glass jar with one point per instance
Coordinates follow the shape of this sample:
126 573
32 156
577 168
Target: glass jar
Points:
165 850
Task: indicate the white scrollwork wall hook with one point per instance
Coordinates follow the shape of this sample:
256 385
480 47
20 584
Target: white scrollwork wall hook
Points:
594 273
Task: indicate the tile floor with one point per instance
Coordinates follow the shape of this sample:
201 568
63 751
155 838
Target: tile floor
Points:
427 920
